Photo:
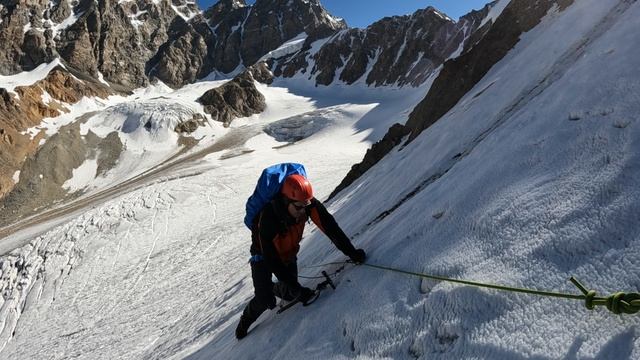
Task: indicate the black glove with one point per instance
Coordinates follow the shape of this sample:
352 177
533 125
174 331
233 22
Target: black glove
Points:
359 256
306 294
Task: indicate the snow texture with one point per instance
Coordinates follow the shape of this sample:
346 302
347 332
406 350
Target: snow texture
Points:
142 125
505 189
82 176
289 47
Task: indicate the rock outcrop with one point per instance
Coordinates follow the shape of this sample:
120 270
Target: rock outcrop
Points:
26 109
189 126
238 97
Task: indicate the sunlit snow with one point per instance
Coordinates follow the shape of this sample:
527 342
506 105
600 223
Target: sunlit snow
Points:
82 176
530 179
26 78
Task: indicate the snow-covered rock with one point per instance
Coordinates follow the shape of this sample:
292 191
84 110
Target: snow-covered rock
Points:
147 125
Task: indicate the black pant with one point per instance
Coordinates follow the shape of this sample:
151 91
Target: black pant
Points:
266 291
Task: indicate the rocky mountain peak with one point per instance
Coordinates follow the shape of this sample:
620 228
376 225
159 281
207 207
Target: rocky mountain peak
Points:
223 8
243 34
94 37
396 50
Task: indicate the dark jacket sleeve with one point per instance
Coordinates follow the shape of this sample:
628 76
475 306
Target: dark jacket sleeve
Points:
268 230
329 226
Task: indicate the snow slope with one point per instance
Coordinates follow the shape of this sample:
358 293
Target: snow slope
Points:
529 180
81 274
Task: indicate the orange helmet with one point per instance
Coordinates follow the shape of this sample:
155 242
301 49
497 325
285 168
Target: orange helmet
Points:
296 187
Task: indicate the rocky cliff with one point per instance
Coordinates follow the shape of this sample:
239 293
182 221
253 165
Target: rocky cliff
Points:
244 34
114 39
483 49
398 50
130 42
238 97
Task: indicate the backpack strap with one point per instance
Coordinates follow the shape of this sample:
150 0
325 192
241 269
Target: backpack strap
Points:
281 216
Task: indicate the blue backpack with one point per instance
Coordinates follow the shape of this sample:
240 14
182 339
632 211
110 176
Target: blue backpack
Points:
269 185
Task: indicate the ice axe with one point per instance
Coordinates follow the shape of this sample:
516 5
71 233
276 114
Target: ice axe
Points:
321 286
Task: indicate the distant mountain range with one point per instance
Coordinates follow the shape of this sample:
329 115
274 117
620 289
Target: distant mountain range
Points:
131 42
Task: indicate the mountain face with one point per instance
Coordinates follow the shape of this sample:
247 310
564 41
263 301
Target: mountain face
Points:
460 75
129 42
238 97
26 106
398 50
116 39
243 34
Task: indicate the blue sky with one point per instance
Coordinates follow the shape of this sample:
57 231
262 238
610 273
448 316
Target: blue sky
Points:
360 13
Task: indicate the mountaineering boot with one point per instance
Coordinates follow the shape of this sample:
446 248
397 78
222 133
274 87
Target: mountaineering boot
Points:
305 295
243 326
284 291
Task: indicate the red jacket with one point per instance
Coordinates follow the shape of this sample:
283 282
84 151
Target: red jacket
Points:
276 235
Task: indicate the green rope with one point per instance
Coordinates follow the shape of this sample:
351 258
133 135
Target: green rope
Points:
618 303
479 284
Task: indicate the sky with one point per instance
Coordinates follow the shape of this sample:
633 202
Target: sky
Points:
352 10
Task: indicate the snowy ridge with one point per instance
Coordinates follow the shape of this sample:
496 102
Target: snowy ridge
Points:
289 47
378 54
495 12
26 78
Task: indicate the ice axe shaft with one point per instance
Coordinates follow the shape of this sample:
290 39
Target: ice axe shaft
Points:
326 282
